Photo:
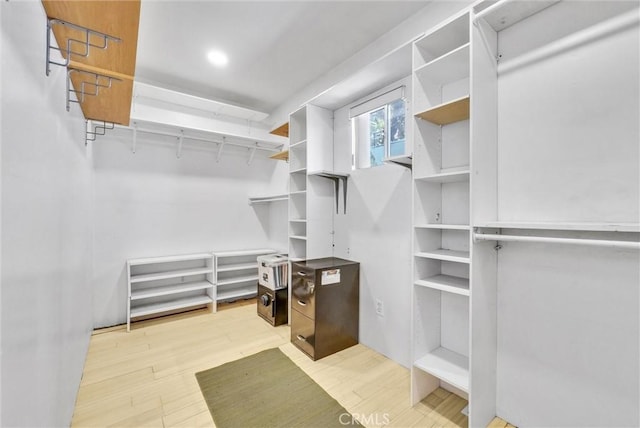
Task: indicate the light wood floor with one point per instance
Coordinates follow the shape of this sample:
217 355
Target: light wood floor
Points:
146 377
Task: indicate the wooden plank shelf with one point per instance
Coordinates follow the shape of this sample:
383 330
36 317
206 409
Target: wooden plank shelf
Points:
118 19
284 155
566 226
450 112
282 130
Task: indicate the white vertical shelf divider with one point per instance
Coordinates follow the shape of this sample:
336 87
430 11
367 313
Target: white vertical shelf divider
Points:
441 210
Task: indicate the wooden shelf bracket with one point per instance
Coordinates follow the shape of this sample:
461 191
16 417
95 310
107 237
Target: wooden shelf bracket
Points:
87 87
86 43
95 128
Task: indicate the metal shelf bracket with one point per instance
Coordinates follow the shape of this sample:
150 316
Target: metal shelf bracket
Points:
95 128
85 43
87 87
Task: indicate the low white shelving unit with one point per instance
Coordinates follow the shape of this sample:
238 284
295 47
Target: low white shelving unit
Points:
236 273
158 285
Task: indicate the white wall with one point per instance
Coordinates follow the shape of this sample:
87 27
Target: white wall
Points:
376 231
151 203
46 230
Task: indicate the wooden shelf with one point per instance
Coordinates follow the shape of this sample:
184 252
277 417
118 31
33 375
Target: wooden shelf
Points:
450 112
284 155
154 308
300 237
442 39
505 13
298 193
298 220
577 226
298 171
170 289
282 130
446 177
443 226
446 255
450 284
170 274
118 19
446 365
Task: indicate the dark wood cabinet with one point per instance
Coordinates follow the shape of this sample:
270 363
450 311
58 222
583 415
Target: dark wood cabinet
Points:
324 305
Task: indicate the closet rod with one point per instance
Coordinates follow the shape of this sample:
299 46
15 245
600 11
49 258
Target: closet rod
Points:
208 140
576 241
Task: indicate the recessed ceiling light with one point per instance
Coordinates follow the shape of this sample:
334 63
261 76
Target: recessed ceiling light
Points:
217 58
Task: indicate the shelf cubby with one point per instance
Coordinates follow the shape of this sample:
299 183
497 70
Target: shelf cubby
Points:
447 365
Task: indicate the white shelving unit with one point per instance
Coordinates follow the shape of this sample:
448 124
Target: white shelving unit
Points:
441 210
310 201
236 273
159 285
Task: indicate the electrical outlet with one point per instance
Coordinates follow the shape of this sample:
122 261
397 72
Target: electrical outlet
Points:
379 308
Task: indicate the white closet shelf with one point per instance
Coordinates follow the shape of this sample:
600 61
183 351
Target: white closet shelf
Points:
298 192
450 284
237 266
298 220
443 226
297 144
167 259
573 226
505 13
170 274
154 308
404 160
237 280
443 38
268 198
240 253
303 238
446 113
298 171
446 177
446 365
238 292
445 255
170 289
448 68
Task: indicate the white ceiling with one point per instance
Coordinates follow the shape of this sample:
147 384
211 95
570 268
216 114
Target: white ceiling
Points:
275 48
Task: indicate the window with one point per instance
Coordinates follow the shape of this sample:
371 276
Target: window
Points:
378 133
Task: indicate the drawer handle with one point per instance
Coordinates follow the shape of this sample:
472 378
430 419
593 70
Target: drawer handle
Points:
301 303
301 337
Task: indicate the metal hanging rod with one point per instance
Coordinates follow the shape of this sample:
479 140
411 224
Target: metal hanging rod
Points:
100 129
87 87
85 43
222 142
570 241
